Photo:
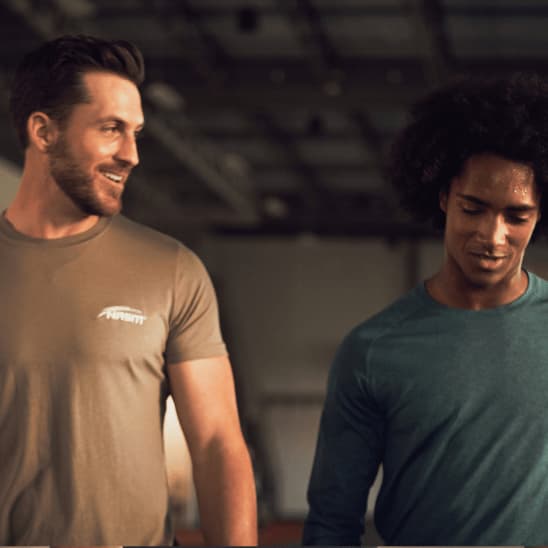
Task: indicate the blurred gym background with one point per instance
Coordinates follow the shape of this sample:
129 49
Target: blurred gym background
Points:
268 126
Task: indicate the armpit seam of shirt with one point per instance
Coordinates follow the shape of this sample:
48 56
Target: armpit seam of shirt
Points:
395 324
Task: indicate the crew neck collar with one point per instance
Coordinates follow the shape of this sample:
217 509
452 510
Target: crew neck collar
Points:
10 233
532 282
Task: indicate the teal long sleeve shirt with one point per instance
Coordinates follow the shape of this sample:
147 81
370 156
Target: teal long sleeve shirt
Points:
454 404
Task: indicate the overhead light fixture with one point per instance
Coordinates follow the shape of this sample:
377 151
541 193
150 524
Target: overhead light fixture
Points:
165 96
235 164
275 207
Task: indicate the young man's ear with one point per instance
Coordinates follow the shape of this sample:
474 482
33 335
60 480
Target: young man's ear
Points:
443 200
42 131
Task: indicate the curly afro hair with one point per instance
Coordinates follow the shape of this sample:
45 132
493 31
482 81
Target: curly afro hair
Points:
507 117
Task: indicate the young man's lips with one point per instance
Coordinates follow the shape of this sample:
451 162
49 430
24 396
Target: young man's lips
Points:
487 261
488 256
114 176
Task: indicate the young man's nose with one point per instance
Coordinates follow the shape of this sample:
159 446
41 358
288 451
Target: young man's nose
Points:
493 229
128 151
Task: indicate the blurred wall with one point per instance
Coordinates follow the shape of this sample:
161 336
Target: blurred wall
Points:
286 304
9 181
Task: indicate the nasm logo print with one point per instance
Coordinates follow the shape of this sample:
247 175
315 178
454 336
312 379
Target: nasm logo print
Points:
123 314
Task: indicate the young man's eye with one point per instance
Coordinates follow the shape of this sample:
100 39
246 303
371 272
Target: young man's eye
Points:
471 211
109 130
517 220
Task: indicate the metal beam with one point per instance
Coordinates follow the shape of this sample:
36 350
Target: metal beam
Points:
372 139
194 17
311 185
220 10
306 19
519 9
428 19
191 156
297 97
368 83
176 26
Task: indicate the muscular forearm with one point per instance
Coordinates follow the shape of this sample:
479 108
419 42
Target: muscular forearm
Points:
226 495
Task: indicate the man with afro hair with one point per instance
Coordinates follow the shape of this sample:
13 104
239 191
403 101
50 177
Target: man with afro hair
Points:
446 388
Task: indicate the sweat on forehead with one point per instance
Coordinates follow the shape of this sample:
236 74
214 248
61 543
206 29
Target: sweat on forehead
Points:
495 182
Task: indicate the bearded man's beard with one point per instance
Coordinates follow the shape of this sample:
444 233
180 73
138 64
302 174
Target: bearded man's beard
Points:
79 185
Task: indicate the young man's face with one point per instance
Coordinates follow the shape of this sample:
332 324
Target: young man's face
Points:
491 211
95 153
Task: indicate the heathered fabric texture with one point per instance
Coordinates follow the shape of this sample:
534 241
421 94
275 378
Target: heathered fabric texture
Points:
453 403
88 326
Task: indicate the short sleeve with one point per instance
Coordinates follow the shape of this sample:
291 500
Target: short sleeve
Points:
194 329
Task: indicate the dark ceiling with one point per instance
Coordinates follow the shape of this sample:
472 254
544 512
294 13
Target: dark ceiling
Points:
276 116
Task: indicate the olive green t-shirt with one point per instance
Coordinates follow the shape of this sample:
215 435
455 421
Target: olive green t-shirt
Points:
89 325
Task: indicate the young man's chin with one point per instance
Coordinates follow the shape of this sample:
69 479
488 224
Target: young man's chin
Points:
110 211
112 207
488 278
102 208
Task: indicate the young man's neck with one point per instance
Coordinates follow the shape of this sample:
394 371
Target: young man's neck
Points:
40 208
32 222
455 292
46 216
